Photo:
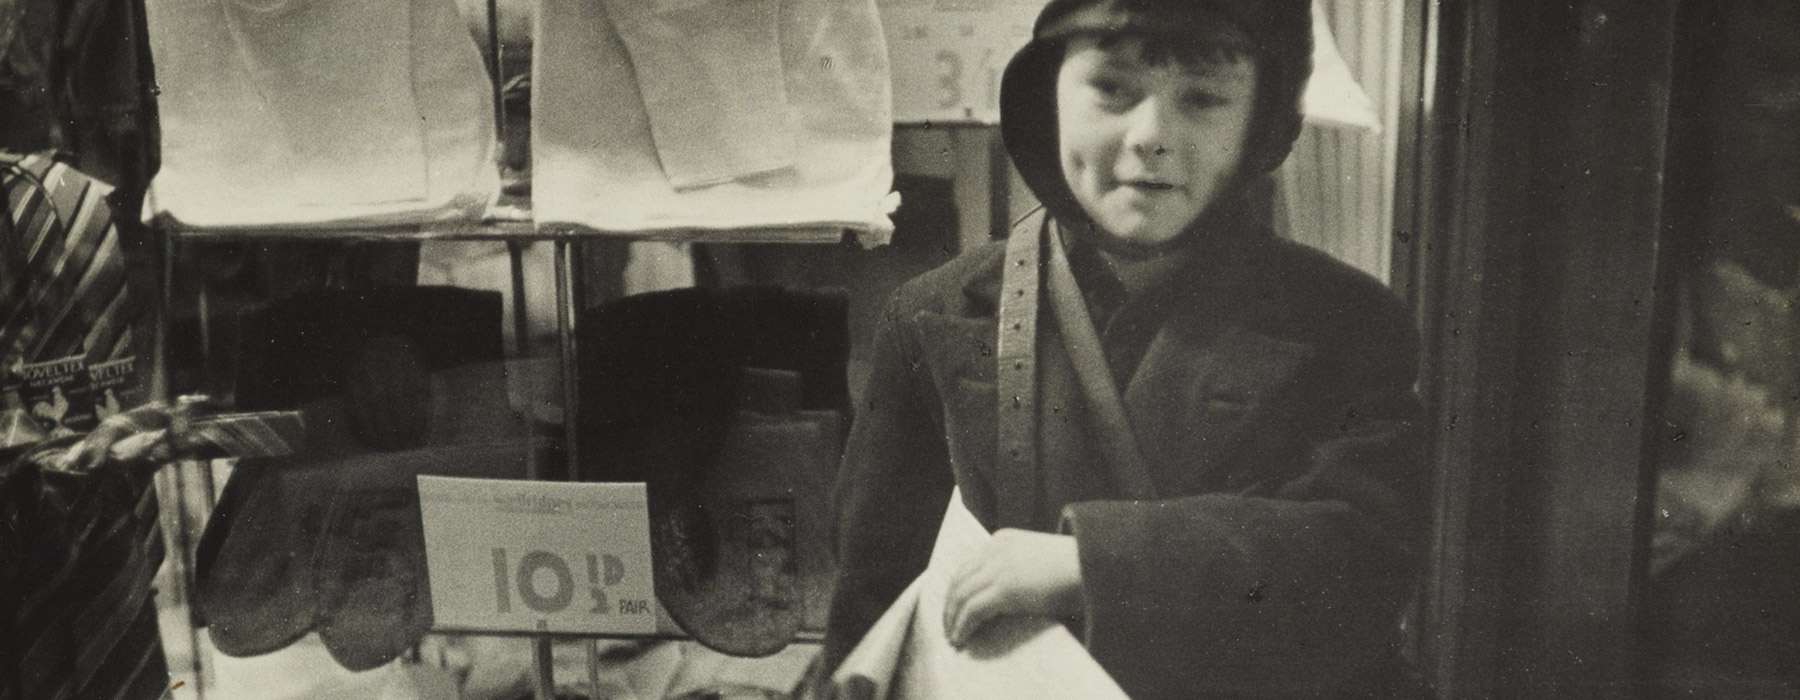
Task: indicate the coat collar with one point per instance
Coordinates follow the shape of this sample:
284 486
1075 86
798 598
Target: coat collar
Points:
1217 264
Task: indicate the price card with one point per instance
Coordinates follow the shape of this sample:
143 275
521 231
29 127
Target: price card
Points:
535 556
946 56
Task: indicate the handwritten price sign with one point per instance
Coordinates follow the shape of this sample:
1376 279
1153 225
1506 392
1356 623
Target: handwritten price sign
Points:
947 55
525 556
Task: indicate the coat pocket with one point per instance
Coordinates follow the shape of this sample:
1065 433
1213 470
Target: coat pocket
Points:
957 347
1250 368
1198 398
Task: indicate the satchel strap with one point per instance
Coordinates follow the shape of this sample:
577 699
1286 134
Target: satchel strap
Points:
1016 379
1017 382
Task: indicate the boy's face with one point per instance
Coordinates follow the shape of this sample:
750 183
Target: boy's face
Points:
1146 147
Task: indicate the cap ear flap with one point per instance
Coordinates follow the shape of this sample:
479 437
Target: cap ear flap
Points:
1275 146
1029 126
1286 67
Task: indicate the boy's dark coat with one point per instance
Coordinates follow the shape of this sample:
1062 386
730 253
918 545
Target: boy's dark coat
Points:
1275 405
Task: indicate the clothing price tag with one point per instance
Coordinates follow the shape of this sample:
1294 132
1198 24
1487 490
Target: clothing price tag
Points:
947 55
533 556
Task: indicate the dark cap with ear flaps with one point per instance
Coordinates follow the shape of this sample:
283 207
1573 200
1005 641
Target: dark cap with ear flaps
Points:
1280 32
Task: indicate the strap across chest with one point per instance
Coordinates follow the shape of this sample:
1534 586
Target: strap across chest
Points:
1017 379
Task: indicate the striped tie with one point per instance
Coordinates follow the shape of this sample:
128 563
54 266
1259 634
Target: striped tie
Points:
79 548
81 551
158 433
66 312
260 434
62 275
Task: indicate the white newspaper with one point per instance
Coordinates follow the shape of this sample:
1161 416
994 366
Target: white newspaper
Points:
906 654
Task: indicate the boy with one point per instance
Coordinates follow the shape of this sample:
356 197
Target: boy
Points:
1221 425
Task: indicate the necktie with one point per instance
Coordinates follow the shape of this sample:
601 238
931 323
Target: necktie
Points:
65 311
80 547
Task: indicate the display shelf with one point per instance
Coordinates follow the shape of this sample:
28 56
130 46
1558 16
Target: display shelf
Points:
513 223
498 223
511 220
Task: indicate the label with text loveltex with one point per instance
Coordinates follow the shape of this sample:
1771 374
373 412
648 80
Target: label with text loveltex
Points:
537 556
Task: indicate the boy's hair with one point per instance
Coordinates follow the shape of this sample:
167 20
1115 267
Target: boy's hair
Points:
1276 34
1212 41
1162 49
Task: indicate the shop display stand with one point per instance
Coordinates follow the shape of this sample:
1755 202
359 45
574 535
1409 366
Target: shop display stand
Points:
189 488
190 485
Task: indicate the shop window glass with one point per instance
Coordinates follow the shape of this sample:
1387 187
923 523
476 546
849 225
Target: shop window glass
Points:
1723 616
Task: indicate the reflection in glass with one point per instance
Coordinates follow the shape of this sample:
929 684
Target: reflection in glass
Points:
1724 605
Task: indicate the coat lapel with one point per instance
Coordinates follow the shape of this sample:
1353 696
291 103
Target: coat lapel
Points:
1200 395
961 354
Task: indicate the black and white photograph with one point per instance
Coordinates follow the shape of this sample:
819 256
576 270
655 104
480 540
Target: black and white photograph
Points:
899 350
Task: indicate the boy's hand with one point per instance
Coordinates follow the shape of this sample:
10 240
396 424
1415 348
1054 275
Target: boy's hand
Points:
1020 572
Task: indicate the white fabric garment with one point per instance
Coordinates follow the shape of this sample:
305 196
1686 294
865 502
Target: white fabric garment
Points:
666 118
715 115
309 60
905 654
319 112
